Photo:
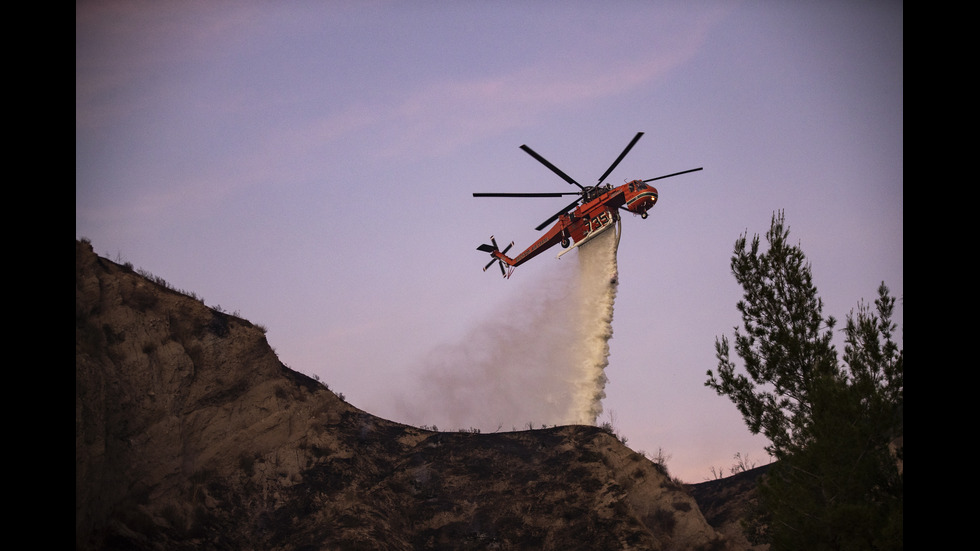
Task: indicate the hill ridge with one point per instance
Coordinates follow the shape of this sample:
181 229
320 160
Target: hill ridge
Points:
190 433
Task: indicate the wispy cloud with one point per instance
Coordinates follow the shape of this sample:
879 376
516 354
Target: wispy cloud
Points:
447 113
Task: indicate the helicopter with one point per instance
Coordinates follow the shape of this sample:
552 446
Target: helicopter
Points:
594 211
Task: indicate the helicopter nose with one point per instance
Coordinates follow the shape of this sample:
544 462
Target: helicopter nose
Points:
650 201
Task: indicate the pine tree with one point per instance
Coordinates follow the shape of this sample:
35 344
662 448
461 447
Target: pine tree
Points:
832 426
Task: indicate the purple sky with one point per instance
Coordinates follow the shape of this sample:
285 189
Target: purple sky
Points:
310 166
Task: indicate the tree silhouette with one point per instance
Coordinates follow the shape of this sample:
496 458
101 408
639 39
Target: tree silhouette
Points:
835 427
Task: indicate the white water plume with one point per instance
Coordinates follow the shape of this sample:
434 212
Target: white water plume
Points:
595 297
540 361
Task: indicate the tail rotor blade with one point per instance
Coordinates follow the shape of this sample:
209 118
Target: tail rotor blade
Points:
621 155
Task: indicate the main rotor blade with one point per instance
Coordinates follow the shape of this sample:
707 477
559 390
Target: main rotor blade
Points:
621 155
549 194
674 174
553 168
557 214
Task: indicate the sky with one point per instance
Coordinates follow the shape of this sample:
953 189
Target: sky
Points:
310 165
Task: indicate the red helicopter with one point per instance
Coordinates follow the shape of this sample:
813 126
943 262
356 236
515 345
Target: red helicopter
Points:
595 210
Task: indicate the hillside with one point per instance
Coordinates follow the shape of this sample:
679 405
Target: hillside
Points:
191 434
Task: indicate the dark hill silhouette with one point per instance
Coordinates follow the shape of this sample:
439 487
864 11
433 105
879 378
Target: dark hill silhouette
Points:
191 434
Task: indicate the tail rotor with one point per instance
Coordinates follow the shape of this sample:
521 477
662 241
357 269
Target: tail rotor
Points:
493 250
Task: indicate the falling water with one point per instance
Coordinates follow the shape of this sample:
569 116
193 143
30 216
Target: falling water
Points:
596 295
539 361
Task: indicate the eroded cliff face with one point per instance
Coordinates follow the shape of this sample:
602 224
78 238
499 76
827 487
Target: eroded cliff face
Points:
170 394
190 433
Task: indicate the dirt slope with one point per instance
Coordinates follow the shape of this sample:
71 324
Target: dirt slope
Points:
191 434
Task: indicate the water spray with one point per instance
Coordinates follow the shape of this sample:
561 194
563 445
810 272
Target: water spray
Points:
539 361
596 296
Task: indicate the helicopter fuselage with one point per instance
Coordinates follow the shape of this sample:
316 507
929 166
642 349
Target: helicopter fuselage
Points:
598 213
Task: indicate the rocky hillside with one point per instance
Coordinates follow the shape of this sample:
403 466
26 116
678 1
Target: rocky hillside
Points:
191 434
